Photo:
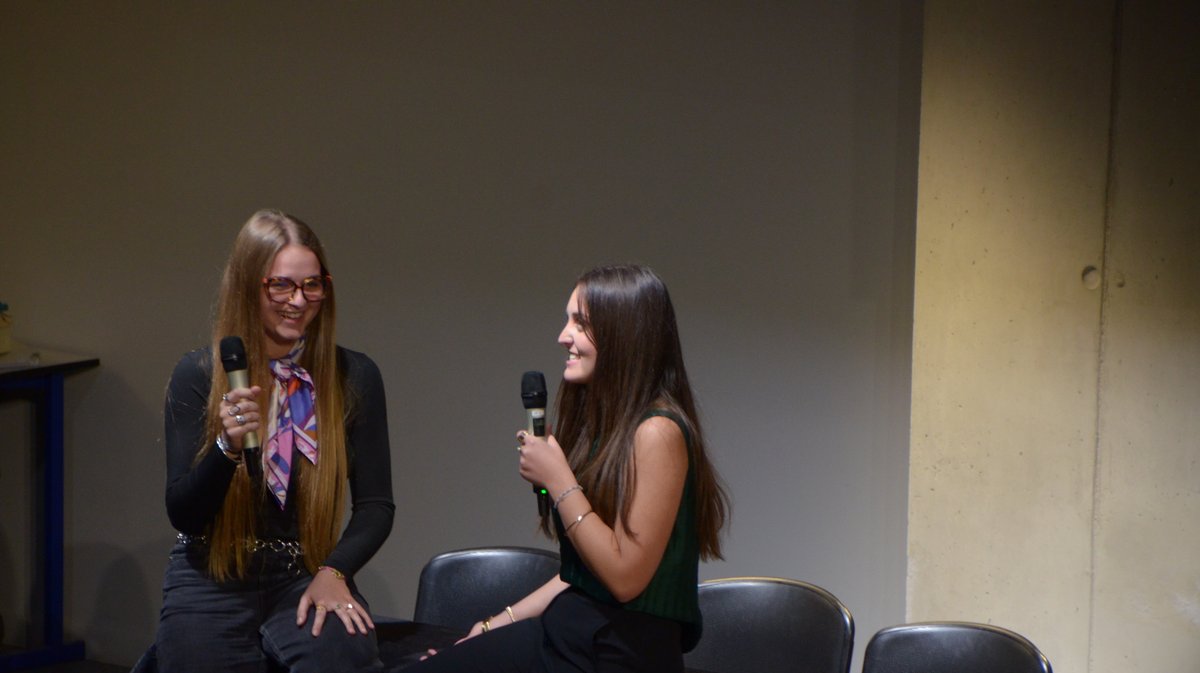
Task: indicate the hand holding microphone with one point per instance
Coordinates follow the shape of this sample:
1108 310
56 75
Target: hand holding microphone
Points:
239 410
533 398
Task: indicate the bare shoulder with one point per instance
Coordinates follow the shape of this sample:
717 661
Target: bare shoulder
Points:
658 435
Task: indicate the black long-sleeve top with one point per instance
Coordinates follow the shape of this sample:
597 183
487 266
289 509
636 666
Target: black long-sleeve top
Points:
195 491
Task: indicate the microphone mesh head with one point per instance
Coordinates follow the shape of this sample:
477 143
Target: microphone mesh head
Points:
533 390
233 353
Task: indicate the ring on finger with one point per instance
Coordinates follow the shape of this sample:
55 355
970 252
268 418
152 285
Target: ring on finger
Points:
241 420
321 607
224 397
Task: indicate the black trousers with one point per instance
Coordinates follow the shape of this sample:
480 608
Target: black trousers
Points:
575 634
249 625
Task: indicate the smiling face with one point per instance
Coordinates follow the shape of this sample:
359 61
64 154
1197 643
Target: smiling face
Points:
581 352
285 321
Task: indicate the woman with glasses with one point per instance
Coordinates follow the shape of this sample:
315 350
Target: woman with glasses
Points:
262 575
636 503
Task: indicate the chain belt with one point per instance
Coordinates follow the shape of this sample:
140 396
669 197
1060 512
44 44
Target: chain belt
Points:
293 548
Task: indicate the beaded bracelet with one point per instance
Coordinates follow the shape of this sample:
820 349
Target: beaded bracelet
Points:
576 521
565 493
336 573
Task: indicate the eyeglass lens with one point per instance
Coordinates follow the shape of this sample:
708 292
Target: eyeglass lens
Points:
282 289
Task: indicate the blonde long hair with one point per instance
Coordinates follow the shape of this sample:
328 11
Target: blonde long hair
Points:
322 489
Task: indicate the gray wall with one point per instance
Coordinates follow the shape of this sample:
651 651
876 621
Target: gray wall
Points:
463 162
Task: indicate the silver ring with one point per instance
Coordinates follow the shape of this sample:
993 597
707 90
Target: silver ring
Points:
241 420
224 397
349 606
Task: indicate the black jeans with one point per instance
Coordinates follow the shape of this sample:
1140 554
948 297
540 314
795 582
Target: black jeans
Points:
249 625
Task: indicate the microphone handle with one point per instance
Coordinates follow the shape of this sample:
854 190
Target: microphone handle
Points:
240 378
537 428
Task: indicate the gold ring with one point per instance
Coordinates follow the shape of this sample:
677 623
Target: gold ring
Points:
321 607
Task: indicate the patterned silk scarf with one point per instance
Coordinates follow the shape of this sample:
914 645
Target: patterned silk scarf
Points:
293 422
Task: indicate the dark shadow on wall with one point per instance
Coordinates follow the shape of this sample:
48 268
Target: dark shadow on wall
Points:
123 585
19 501
9 624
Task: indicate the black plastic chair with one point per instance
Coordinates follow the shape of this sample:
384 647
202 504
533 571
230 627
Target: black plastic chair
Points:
771 625
459 588
952 647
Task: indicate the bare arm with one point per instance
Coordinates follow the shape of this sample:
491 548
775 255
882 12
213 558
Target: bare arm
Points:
531 606
623 560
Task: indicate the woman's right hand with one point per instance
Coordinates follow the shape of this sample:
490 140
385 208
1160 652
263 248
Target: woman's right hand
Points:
543 463
240 414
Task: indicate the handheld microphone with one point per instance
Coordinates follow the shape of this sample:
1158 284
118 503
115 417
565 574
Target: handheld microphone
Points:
233 357
533 397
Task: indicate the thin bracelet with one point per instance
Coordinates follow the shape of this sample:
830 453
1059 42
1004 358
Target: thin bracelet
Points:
565 493
576 521
508 609
336 573
487 624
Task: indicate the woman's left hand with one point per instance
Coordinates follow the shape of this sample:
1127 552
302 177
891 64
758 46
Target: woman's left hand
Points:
327 594
543 462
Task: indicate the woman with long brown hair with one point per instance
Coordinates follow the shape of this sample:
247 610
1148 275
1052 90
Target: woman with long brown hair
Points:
636 503
262 575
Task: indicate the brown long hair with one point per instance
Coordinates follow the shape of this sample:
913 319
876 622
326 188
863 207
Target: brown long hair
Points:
639 366
322 488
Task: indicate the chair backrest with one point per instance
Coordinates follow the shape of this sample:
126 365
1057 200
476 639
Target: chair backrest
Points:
952 647
771 625
459 588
